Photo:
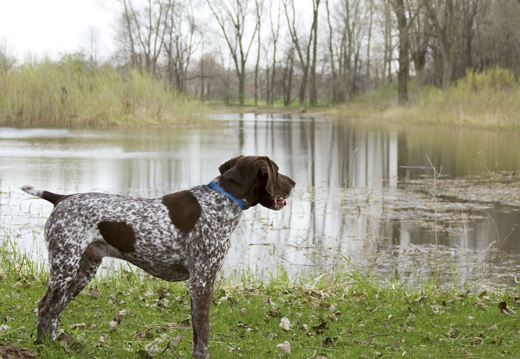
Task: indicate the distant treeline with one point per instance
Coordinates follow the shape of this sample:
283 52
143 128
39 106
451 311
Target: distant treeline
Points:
71 93
276 53
279 51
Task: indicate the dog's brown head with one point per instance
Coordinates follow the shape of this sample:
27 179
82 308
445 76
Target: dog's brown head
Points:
254 180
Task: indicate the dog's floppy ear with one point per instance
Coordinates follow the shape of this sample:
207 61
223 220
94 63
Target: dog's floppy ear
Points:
228 164
268 169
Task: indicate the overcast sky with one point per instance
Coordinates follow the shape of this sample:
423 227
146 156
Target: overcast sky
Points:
52 27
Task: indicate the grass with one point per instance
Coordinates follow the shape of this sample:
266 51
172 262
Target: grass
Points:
133 315
488 99
70 93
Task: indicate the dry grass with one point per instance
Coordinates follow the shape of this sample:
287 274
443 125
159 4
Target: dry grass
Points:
488 99
70 93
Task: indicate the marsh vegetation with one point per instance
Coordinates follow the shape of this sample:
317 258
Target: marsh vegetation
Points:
70 93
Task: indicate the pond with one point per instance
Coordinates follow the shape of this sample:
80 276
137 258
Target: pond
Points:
400 202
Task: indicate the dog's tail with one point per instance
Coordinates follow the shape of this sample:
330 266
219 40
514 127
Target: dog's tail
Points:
54 198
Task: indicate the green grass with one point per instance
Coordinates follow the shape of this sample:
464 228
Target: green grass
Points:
70 93
347 316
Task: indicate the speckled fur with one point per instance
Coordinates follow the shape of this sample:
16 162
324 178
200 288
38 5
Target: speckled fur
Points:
76 246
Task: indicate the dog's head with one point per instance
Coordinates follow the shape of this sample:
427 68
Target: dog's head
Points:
255 180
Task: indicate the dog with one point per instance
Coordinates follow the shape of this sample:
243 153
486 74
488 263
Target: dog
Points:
180 236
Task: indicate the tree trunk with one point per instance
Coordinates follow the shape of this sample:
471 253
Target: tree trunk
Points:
273 72
275 31
313 98
288 79
332 55
304 57
202 74
387 62
445 29
371 9
402 75
258 19
268 86
236 13
241 84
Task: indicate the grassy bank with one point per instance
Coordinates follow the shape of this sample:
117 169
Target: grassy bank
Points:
488 99
133 315
70 93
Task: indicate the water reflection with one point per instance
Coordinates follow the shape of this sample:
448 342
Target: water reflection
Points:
352 195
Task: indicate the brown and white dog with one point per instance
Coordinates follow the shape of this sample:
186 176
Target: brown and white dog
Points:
180 236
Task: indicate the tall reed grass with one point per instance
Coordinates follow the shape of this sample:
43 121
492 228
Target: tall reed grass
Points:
489 99
70 93
483 99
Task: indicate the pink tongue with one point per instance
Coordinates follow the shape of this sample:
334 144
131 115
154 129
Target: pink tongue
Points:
280 202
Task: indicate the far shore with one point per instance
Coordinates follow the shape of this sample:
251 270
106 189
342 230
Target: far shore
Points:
356 113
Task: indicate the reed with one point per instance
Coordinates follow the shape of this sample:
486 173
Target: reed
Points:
70 93
482 99
489 99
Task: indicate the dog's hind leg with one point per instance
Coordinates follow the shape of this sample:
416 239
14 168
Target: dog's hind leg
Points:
65 283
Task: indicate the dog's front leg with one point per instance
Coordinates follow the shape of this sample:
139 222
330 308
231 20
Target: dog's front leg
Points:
201 297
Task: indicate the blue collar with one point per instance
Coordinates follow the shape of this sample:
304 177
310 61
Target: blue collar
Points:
217 187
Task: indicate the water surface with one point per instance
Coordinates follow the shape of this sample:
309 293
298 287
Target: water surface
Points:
402 202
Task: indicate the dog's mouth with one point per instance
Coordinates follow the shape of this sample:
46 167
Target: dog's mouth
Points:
280 202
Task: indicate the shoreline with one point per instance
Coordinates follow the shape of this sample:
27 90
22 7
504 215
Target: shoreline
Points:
355 113
391 116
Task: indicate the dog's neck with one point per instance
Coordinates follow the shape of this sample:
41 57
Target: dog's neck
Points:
214 185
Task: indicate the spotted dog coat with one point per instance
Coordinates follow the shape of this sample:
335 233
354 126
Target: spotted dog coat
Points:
180 236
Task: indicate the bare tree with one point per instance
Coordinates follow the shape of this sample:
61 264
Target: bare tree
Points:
180 43
404 61
303 46
313 97
442 14
387 33
259 4
272 45
287 76
371 9
363 41
420 31
232 18
210 70
89 44
142 31
499 36
333 55
469 11
346 36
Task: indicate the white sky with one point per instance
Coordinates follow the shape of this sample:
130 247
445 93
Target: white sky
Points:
33 29
52 27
